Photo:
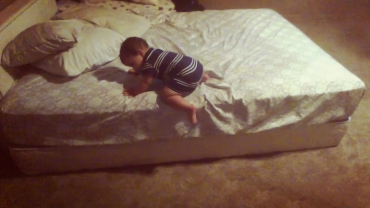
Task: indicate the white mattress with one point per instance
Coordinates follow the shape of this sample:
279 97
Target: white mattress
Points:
266 74
34 160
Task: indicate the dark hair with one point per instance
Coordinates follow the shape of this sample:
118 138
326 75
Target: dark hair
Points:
131 46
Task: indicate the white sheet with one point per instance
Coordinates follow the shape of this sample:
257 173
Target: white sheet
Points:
269 75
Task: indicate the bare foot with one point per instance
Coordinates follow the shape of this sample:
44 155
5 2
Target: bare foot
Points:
193 114
205 77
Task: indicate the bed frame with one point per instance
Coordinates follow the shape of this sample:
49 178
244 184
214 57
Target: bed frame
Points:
34 160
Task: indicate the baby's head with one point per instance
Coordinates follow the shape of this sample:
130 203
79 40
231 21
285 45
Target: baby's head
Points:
132 52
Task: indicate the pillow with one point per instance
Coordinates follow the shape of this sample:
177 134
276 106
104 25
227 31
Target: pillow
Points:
124 23
150 2
94 1
96 46
40 40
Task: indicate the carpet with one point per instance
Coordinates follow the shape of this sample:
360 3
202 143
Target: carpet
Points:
330 177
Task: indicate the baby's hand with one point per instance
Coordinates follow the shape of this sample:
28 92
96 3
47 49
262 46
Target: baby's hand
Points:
133 72
127 93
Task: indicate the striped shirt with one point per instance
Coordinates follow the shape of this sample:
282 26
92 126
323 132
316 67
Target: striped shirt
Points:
180 73
174 65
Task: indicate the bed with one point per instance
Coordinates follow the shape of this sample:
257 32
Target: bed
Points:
271 89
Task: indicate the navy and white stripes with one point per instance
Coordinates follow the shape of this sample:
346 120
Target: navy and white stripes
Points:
180 73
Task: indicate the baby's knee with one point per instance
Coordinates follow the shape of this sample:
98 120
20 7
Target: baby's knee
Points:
162 94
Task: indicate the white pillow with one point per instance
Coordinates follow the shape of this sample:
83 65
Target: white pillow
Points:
94 1
124 23
150 2
40 40
96 47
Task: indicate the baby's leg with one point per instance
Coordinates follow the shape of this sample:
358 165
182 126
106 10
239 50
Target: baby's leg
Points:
175 100
205 77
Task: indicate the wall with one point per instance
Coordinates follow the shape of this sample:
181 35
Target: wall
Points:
5 3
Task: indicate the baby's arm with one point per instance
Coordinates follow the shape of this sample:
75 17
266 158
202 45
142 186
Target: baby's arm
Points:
142 87
133 72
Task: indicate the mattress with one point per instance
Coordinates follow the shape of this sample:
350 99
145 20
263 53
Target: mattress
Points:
265 74
34 160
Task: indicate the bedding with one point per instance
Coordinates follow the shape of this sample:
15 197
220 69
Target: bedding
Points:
266 74
96 47
149 2
17 17
122 22
40 40
156 14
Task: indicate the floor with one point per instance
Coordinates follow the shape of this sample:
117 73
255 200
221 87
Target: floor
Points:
331 177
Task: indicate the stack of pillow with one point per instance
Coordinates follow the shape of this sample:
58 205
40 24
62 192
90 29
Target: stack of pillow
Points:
76 41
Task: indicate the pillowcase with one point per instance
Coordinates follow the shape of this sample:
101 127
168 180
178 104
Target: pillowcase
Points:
150 2
94 1
40 40
124 23
96 47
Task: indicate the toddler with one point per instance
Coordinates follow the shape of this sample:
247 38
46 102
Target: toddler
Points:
180 74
